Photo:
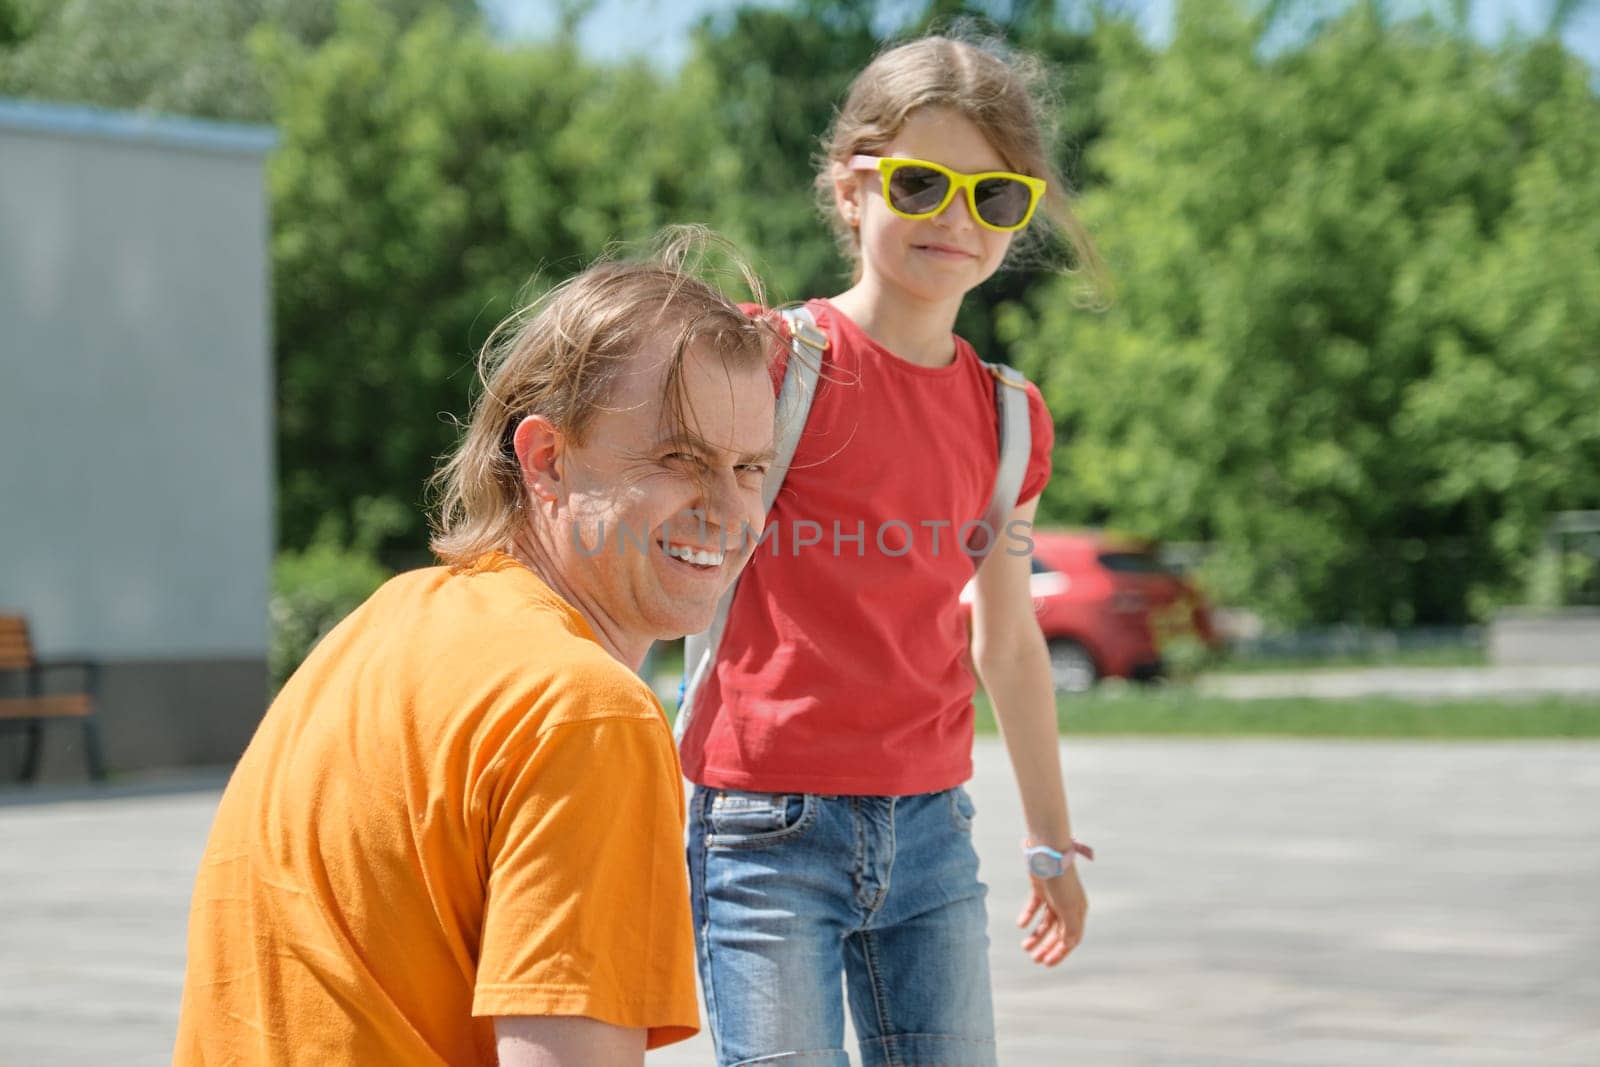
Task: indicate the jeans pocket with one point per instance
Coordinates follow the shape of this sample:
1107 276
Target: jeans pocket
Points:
962 810
737 819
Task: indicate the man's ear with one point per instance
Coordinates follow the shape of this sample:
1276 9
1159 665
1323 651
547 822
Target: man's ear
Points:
539 446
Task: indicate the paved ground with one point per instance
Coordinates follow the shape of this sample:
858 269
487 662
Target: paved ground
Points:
1412 683
1256 902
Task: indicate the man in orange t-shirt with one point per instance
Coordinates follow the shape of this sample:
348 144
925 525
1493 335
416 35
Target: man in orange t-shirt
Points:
456 837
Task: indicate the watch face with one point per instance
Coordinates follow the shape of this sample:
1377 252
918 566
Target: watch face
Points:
1044 866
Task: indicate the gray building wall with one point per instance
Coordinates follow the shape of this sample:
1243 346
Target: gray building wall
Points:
136 508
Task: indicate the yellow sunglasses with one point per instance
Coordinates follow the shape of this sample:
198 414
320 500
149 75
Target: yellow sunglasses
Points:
917 189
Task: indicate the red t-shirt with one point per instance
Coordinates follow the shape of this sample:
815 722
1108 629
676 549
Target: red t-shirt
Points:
843 666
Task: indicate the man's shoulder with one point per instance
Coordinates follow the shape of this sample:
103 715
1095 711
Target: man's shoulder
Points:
544 656
505 637
590 686
588 706
546 661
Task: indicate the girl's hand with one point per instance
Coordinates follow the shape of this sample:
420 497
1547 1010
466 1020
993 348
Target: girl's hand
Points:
1053 915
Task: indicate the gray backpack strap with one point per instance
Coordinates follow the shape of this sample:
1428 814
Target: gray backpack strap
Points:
806 347
1016 442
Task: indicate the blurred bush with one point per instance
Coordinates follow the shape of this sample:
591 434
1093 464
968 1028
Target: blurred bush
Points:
1355 341
314 587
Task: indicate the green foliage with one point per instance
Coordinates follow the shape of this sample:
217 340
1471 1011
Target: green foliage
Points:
1351 346
188 57
767 84
315 587
18 22
426 175
182 56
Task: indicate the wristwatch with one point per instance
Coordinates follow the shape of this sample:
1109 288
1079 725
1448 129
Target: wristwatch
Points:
1046 862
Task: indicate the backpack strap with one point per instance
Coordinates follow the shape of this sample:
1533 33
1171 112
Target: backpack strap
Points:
1016 442
807 344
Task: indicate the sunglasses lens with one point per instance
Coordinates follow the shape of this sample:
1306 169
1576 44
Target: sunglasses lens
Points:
917 190
1002 201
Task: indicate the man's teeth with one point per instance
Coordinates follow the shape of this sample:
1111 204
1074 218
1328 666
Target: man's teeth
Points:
703 557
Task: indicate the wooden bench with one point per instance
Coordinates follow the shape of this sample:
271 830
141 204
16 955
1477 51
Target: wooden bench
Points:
26 703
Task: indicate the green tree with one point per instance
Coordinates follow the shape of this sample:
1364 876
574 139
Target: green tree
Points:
426 177
18 22
1320 359
188 57
765 83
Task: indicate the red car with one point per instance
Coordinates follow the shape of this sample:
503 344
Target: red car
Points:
1105 603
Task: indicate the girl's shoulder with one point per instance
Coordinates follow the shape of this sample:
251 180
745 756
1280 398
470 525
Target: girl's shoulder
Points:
820 312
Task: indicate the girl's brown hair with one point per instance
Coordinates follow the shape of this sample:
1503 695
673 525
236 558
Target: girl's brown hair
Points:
558 358
1001 91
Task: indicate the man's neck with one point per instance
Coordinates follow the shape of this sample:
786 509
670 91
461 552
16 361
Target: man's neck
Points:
532 554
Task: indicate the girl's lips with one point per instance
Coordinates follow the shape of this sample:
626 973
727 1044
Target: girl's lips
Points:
945 250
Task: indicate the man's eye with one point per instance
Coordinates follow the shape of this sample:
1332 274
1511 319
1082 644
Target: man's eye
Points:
759 470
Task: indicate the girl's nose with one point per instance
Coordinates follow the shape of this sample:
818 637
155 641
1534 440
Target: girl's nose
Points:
956 214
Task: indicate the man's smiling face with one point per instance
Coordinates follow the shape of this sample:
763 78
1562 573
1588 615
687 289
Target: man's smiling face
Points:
657 514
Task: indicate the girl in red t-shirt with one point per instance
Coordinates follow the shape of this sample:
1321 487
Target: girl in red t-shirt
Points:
829 832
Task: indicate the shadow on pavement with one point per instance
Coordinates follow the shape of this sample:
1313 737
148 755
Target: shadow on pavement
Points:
120 787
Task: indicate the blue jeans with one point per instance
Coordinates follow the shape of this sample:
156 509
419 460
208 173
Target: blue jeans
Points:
789 891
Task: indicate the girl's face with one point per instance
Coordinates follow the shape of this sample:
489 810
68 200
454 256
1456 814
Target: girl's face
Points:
935 260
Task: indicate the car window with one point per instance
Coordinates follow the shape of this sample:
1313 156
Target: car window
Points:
1132 563
1039 568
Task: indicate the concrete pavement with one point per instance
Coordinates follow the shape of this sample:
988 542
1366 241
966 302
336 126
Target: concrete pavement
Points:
1408 683
1255 902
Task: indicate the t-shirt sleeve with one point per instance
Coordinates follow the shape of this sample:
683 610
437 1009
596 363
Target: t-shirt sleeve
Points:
1043 430
587 909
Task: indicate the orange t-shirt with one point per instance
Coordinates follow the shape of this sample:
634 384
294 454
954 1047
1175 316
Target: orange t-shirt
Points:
460 806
